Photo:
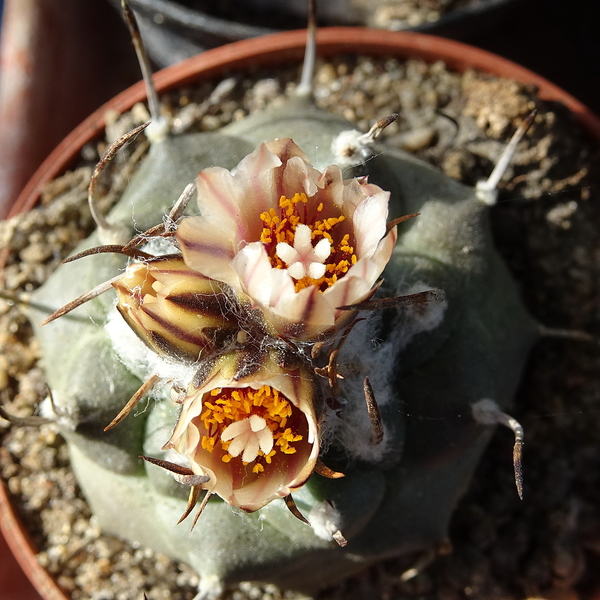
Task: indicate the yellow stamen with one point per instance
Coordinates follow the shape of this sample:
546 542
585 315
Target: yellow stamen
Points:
252 411
282 228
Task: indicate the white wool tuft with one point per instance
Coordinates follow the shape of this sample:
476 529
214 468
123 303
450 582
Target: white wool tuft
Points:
158 130
361 357
486 411
53 409
211 588
325 520
158 246
350 149
141 360
364 356
423 317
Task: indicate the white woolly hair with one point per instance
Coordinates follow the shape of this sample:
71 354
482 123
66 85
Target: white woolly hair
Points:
158 246
363 356
141 360
350 149
325 520
211 587
420 318
55 409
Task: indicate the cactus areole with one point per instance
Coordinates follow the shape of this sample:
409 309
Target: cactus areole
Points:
251 323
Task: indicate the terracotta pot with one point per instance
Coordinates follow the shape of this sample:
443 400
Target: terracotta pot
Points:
13 582
21 582
266 51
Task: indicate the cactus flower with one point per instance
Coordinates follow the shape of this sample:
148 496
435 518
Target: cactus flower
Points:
175 310
299 243
256 435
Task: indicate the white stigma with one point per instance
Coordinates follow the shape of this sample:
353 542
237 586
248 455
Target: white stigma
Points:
247 437
304 259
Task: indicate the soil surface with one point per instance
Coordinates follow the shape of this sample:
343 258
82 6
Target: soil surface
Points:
546 226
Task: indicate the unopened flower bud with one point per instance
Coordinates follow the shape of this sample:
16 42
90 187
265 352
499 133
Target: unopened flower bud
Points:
175 310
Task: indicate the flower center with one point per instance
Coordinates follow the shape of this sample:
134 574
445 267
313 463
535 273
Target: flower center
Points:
250 424
314 249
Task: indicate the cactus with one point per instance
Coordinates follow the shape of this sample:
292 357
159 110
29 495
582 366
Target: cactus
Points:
439 356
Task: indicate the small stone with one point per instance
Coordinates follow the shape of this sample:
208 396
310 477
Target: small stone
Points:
326 74
560 214
36 253
417 139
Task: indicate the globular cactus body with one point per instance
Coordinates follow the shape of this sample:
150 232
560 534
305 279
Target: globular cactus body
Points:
429 367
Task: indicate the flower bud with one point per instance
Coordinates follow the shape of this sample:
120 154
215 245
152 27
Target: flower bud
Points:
175 310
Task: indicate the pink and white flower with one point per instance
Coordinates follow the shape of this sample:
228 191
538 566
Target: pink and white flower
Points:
255 437
297 242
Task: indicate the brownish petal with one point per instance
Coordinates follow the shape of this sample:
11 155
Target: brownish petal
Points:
174 310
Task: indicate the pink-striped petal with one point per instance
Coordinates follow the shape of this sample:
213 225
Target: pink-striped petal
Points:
236 239
237 483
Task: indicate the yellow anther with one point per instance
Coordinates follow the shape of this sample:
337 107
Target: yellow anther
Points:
295 211
231 405
208 443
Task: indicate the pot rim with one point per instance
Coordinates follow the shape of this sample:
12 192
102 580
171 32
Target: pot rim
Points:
271 50
23 549
279 48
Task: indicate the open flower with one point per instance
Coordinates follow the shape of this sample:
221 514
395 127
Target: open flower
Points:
298 242
175 310
255 436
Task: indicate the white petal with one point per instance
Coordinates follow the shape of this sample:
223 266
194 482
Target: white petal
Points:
303 239
307 308
217 194
259 182
332 184
261 159
192 439
282 284
297 270
354 286
286 253
253 266
316 270
251 449
322 250
300 176
207 249
370 221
